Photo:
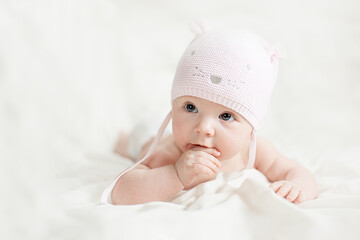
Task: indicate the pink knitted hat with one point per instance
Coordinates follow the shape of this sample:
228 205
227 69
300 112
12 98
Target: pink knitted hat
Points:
231 67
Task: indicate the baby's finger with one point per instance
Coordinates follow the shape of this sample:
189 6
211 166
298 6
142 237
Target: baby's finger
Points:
214 152
208 156
294 193
206 162
276 186
284 189
199 168
300 198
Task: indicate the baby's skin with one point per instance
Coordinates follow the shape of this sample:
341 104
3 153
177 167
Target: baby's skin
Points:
208 138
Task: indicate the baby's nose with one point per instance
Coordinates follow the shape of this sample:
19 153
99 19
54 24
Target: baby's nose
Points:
205 127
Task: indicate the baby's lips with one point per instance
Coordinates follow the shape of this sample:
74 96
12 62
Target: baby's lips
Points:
212 151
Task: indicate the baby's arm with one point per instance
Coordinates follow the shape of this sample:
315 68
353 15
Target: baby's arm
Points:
144 184
162 182
290 179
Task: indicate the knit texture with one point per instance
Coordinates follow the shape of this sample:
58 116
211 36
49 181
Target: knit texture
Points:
231 67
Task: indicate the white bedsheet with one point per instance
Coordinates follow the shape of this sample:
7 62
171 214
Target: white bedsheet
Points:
233 206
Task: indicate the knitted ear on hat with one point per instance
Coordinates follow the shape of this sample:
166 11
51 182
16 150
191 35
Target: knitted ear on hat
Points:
276 51
199 26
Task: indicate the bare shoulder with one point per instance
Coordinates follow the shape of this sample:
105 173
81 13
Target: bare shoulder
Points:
165 153
266 154
264 145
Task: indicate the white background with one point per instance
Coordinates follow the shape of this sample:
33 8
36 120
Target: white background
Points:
75 73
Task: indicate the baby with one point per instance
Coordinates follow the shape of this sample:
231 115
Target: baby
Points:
220 94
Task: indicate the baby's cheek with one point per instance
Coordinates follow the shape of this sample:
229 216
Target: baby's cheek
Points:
180 140
229 149
227 154
181 134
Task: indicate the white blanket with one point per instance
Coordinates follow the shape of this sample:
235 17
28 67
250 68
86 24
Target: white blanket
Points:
233 206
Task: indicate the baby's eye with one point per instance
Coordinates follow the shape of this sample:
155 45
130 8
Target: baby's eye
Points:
190 108
227 117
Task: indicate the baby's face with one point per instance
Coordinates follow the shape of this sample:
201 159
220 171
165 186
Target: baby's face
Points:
197 121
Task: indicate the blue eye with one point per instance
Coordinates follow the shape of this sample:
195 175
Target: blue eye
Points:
190 108
227 117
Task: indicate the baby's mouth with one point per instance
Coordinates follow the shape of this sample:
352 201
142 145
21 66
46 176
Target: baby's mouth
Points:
191 146
211 150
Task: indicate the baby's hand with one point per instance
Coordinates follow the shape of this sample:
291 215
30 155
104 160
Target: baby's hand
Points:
197 165
289 190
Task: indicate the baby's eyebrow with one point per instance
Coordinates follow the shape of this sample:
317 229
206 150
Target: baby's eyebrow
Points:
188 102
